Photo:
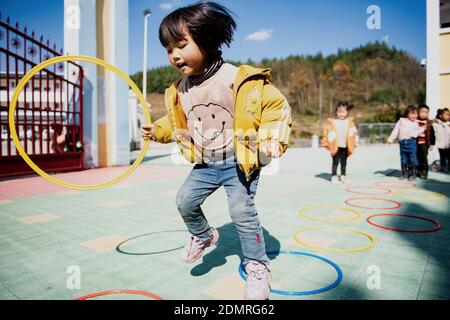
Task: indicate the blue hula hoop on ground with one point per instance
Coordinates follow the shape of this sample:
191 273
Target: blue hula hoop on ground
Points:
302 293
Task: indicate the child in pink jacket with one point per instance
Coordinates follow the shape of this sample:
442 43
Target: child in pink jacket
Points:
406 131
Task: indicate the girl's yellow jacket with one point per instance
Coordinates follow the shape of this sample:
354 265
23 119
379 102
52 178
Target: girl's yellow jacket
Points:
261 113
330 140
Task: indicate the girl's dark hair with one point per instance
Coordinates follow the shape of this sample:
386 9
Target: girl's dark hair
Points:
423 106
441 112
209 24
410 109
343 104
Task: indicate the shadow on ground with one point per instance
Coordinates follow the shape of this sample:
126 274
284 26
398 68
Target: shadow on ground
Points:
230 245
389 173
324 176
396 173
434 245
147 159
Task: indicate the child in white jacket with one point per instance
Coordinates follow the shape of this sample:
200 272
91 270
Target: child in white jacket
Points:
441 128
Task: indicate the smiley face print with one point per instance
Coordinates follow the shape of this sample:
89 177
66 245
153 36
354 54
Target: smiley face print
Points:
211 126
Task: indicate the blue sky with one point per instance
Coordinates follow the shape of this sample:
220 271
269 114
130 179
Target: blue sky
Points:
266 29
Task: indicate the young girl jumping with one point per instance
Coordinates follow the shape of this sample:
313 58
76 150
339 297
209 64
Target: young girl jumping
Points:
406 131
341 138
229 121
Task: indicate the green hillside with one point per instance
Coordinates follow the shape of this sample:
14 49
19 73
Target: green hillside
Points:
377 79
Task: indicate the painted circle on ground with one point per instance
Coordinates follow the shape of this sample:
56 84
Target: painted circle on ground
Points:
321 228
27 159
395 184
436 228
354 190
114 292
301 293
356 214
119 249
434 196
351 201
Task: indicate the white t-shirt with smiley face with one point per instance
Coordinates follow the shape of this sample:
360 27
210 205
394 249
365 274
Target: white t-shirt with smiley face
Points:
209 109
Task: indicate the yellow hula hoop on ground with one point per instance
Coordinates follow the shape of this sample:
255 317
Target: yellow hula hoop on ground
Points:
401 194
30 162
356 213
304 244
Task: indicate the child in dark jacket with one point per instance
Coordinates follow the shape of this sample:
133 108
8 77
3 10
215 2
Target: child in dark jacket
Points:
425 141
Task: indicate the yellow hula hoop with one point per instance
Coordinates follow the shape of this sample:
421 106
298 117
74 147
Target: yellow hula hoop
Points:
304 244
30 162
356 213
401 194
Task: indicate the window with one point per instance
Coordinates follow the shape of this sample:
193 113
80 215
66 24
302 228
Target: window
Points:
445 13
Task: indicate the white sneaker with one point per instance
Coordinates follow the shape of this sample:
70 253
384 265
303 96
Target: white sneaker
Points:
258 281
344 180
335 180
195 247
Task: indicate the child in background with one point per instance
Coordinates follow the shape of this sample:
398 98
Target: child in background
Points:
406 131
425 140
341 138
442 132
227 120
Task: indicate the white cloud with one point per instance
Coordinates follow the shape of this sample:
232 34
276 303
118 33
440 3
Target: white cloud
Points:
260 36
166 5
386 38
169 5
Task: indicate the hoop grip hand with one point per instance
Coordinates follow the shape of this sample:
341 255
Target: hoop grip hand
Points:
148 132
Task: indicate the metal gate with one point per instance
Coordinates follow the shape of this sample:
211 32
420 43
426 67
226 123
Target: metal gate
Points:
49 114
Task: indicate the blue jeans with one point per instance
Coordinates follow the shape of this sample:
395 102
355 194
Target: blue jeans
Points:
408 152
203 180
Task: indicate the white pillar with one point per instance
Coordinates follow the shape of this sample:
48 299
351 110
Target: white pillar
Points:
117 108
133 106
433 56
147 14
80 39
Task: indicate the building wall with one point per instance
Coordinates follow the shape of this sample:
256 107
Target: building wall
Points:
445 91
438 55
433 56
444 76
445 51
